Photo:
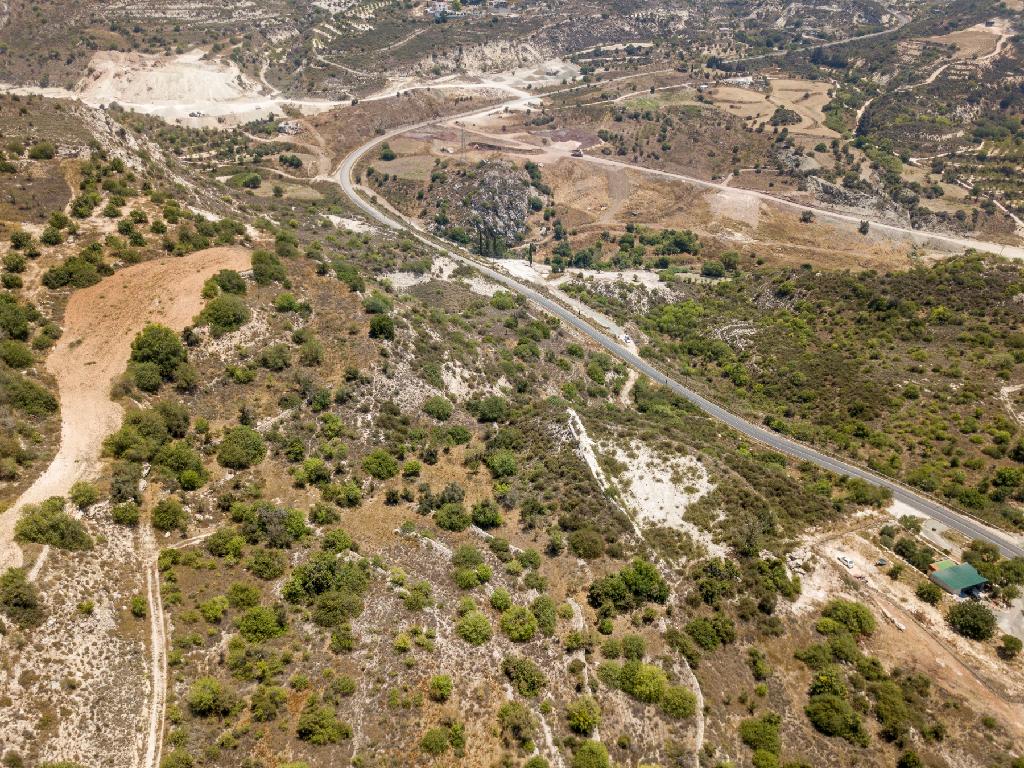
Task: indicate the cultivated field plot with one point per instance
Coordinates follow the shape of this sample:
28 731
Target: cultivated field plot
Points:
979 40
805 97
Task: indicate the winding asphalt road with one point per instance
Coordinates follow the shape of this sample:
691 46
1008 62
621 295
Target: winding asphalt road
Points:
926 506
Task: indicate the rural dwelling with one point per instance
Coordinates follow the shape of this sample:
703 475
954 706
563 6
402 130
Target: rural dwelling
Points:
961 579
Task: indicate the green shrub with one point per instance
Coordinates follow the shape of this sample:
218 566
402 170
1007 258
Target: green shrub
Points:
169 515
15 354
275 357
382 327
854 616
519 624
207 696
19 598
241 448
25 395
438 407
138 606
929 592
440 688
435 741
1010 647
380 464
224 314
644 682
486 515
319 725
762 733
229 281
177 758
266 702
377 304
146 376
678 702
591 754
526 677
491 409
125 513
583 715
971 620
452 517
266 564
159 345
260 623
832 715
516 723
48 523
267 268
84 494
501 600
474 628
42 150
501 463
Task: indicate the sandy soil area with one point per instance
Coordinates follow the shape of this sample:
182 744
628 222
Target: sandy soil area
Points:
99 325
653 490
189 87
972 42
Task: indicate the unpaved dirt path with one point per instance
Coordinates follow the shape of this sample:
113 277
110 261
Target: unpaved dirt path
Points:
99 325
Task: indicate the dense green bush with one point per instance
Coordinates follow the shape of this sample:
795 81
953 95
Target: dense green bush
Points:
854 616
319 725
48 523
382 327
833 715
224 314
440 688
678 702
159 345
634 585
25 395
644 682
929 592
267 268
380 465
125 513
474 628
19 598
266 702
972 620
241 448
84 494
452 517
526 677
519 624
438 407
169 514
208 696
591 754
583 715
260 623
16 354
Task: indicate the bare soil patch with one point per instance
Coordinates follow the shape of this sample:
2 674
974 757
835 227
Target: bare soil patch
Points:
972 42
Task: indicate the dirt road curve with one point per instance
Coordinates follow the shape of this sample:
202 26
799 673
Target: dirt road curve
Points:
99 325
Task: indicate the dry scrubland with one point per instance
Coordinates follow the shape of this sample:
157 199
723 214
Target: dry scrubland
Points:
369 507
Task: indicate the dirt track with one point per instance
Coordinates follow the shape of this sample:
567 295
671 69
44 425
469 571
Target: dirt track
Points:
99 325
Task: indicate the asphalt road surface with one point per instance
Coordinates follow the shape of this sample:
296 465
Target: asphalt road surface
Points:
926 506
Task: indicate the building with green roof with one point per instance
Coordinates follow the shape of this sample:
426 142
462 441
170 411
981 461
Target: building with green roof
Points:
962 580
